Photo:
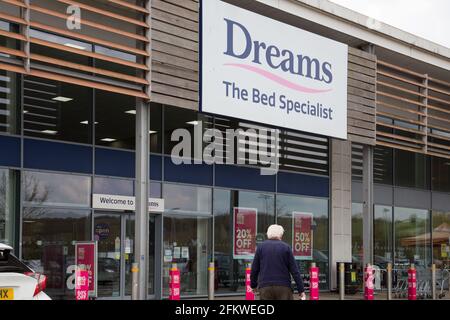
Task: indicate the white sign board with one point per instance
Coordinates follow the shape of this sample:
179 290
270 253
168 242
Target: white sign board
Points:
262 70
123 203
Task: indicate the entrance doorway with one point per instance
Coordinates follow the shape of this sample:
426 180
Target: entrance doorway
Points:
114 232
187 244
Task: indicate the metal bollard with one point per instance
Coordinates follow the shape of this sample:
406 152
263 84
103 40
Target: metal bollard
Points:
134 281
433 281
211 283
341 281
389 281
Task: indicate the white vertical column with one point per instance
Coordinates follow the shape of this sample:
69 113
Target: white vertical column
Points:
142 184
341 203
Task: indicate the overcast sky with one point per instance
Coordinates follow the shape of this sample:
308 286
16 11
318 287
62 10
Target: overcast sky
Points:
429 19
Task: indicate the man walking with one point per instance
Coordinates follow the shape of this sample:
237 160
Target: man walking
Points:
273 266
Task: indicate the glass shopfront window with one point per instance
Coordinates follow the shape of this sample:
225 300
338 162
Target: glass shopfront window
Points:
60 54
441 239
178 118
115 120
154 190
8 219
57 110
230 272
187 237
156 133
117 67
440 174
9 102
48 245
412 170
52 189
357 233
287 206
114 186
412 236
383 172
7 41
382 230
357 162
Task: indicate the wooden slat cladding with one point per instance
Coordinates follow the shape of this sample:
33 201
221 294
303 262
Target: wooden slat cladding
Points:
175 53
413 111
110 46
361 105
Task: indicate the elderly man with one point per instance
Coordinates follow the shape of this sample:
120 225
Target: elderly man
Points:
273 266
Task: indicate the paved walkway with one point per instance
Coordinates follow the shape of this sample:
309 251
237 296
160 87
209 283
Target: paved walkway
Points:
335 296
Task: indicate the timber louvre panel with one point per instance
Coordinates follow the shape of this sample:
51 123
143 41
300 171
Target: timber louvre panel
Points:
109 46
413 111
175 53
361 101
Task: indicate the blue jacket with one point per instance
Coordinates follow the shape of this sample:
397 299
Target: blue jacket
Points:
273 265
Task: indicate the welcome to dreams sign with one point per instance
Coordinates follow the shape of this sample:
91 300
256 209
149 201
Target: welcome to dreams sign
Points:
259 69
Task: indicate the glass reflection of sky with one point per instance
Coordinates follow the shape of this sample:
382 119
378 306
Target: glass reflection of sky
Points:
57 189
383 212
114 186
155 190
32 214
179 199
405 214
263 202
221 202
357 210
287 204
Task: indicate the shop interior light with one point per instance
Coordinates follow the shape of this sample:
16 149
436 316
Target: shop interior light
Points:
25 111
62 99
74 46
131 112
86 122
49 131
152 132
194 123
108 140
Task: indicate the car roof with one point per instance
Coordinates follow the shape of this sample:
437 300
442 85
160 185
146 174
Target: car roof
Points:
5 247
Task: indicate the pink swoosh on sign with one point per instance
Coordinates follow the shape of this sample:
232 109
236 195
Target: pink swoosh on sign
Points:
277 79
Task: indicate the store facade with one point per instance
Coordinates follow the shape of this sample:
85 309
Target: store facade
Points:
69 132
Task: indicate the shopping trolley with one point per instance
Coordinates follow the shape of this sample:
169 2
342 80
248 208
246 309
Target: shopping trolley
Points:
443 283
400 289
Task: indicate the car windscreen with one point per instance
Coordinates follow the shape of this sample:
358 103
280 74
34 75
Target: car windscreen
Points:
9 263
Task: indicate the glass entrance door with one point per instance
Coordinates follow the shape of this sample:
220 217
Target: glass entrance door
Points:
187 244
108 233
128 252
114 232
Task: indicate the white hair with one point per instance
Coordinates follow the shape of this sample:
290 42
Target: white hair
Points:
275 231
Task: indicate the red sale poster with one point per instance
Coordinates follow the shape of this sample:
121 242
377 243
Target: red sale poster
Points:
302 235
244 231
86 259
82 285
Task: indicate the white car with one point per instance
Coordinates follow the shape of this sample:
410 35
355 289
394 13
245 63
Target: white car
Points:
17 280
